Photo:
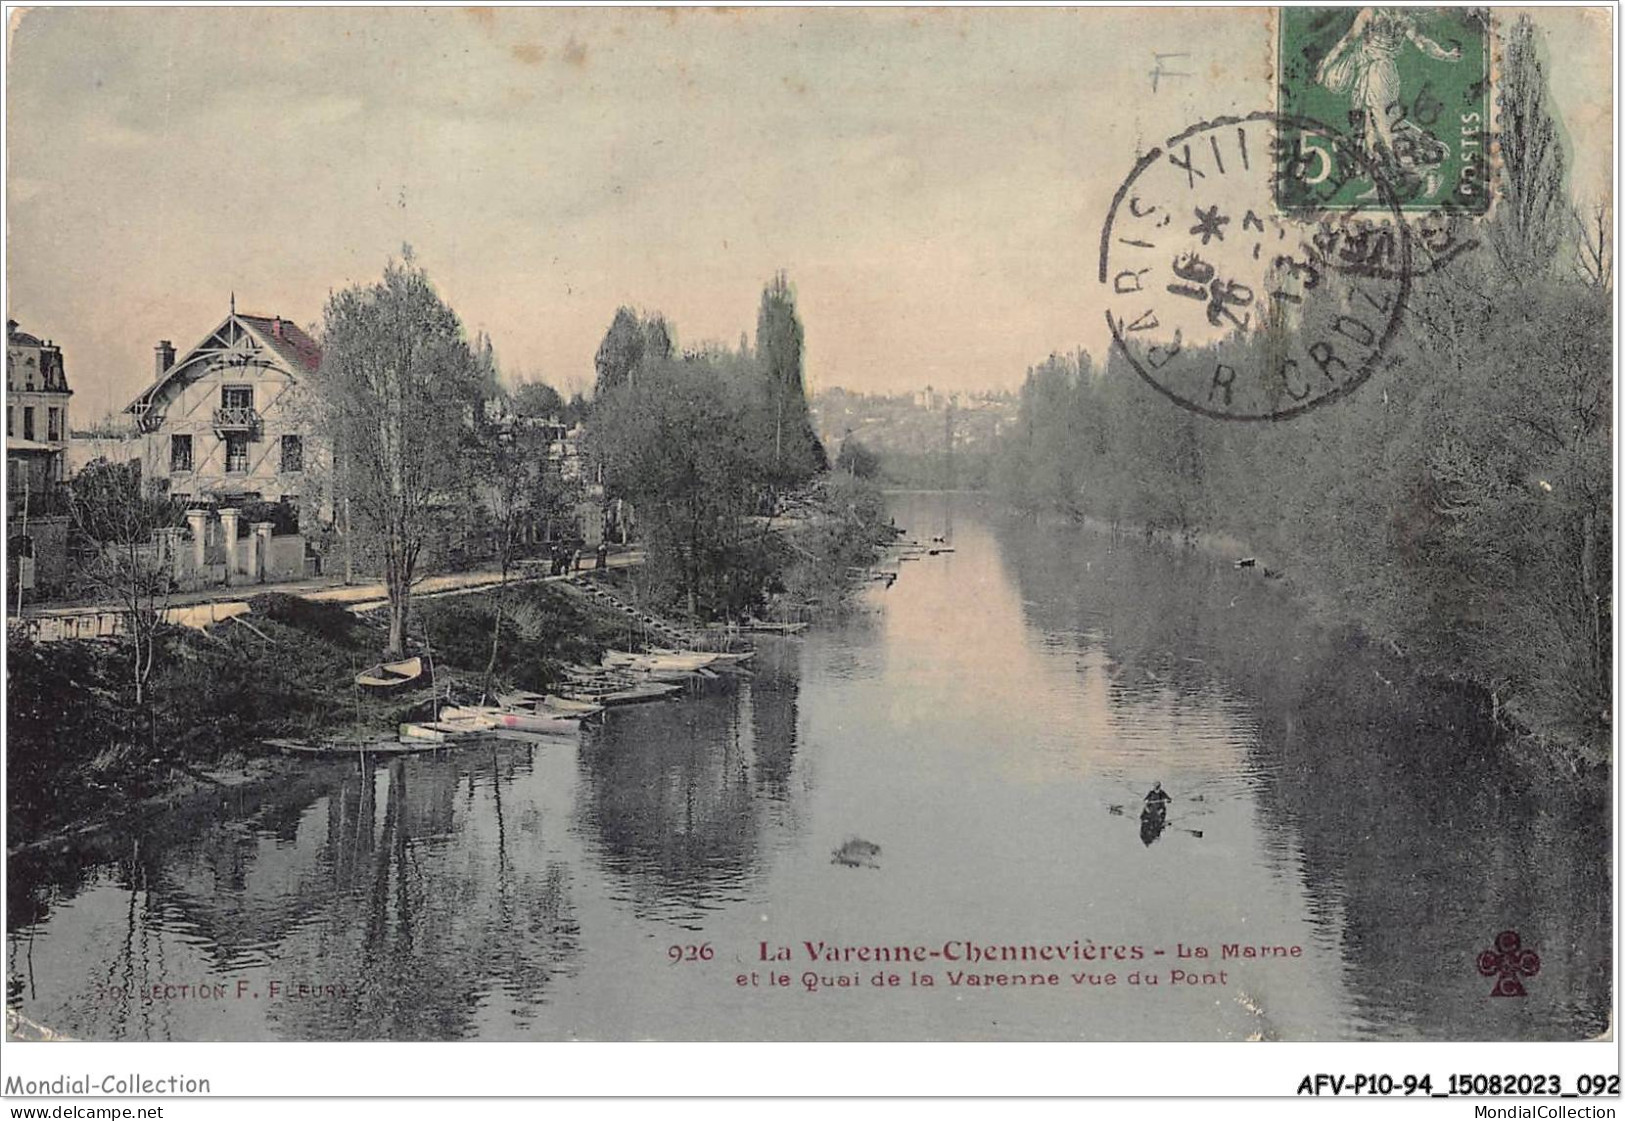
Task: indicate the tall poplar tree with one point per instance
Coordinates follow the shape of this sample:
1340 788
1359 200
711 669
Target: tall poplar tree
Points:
397 390
795 453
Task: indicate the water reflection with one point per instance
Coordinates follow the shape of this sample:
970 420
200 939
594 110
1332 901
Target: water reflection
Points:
992 722
674 793
400 903
1416 844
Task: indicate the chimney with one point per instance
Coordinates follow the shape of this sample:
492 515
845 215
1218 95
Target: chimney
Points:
164 356
276 327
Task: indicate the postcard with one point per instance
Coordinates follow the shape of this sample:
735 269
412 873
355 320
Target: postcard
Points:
811 525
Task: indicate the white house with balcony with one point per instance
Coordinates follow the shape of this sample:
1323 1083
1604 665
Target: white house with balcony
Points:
227 420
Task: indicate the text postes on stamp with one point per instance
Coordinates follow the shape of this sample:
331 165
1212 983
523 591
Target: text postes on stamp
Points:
1409 87
1230 309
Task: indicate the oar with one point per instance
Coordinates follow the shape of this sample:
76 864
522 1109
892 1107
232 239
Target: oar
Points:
1118 808
1177 797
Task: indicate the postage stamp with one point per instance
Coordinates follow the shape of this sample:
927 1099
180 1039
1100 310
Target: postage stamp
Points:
1231 310
1411 88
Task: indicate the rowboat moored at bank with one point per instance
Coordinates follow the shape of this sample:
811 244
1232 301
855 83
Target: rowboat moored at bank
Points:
390 675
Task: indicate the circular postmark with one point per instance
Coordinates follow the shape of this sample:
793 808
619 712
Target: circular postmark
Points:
1233 310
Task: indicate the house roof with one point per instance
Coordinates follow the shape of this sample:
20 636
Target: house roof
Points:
281 337
292 345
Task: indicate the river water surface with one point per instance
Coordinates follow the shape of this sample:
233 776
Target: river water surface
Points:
978 721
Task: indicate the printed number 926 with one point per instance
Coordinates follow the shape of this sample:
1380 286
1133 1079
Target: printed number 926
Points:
701 952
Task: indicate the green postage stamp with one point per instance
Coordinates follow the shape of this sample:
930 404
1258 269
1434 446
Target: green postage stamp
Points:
1407 89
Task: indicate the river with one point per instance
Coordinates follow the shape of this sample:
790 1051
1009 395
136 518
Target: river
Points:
978 721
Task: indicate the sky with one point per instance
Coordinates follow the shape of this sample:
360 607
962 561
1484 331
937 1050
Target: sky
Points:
933 181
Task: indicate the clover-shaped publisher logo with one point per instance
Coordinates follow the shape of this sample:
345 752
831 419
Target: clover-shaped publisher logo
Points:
1508 963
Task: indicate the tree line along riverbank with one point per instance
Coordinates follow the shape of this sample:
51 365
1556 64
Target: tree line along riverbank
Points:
1457 513
82 748
708 449
1456 508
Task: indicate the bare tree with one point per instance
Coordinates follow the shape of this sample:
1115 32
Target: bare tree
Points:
1594 245
116 528
396 394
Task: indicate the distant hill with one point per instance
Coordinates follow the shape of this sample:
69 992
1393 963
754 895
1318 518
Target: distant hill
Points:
911 434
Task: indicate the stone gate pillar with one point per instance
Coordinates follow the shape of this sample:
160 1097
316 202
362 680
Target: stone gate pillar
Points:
198 521
228 527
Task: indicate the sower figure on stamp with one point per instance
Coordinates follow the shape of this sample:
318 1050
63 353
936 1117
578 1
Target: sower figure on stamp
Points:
1364 63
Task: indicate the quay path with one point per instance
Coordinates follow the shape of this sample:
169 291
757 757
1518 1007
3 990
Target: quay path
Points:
213 605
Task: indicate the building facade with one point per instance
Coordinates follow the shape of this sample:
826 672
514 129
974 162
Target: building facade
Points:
37 396
227 421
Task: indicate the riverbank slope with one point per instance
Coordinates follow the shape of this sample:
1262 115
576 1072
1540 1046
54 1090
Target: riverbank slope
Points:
80 747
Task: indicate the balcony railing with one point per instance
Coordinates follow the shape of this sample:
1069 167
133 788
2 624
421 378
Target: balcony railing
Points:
236 418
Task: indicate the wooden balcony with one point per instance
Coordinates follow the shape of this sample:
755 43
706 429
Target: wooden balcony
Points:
236 418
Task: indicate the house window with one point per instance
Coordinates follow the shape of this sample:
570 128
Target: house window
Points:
53 425
236 397
180 453
28 422
237 454
293 453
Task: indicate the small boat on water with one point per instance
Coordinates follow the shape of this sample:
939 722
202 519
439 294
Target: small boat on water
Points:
1153 820
758 626
519 698
566 706
445 731
512 718
349 749
523 700
578 686
637 694
390 675
610 695
661 664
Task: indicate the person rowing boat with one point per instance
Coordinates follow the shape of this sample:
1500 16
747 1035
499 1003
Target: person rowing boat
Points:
1154 817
